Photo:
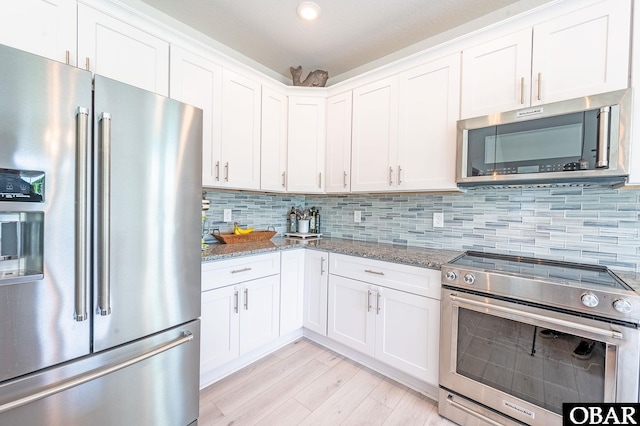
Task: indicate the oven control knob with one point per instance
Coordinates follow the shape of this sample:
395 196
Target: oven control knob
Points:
623 306
469 279
589 300
451 275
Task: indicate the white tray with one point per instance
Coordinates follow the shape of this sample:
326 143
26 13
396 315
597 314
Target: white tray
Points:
301 235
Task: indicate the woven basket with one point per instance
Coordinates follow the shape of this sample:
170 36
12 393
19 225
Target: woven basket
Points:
231 238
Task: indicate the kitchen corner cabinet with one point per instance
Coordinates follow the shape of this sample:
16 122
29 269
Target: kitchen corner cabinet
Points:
239 164
240 307
273 159
306 144
577 54
388 311
338 167
44 27
316 273
291 290
117 50
198 81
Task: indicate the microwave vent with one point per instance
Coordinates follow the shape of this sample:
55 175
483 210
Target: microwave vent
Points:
613 183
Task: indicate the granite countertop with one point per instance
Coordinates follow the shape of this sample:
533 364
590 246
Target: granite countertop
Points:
415 256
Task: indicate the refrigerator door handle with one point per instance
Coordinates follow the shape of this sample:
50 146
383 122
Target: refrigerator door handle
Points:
104 197
82 212
94 374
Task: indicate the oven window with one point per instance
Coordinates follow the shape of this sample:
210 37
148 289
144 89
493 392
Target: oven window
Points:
541 366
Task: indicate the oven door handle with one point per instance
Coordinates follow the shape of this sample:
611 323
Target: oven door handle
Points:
542 318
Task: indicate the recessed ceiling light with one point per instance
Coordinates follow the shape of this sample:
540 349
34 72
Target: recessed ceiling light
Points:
308 10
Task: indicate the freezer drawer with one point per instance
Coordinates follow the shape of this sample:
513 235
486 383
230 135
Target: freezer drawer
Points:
159 390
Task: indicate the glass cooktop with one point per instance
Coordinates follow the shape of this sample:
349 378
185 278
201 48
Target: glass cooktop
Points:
527 267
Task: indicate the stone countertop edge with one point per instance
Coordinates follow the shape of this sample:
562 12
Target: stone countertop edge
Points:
408 255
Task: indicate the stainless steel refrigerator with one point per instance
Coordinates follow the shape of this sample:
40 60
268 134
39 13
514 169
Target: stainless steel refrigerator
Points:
100 210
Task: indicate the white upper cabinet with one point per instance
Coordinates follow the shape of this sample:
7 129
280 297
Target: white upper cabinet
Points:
577 54
198 81
338 170
273 159
306 152
428 111
44 27
240 157
374 136
122 52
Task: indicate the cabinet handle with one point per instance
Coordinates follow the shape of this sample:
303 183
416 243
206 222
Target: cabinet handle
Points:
226 172
217 171
344 179
390 176
399 171
87 64
235 301
66 56
368 300
246 299
283 179
539 86
378 302
522 91
321 265
369 271
235 271
320 180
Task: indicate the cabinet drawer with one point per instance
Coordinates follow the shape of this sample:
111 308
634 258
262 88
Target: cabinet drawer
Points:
412 279
233 271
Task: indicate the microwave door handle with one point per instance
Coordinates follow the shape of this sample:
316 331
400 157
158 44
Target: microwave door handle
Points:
104 196
602 154
82 212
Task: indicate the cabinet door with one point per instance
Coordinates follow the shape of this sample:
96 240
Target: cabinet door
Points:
582 53
198 81
220 341
291 291
306 145
315 291
273 157
428 111
352 311
407 333
374 139
122 52
44 27
338 169
496 76
260 313
240 165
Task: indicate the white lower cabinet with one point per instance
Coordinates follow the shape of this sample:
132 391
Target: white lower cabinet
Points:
291 290
396 327
316 273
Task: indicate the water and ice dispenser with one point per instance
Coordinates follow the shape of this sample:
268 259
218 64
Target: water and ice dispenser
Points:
21 232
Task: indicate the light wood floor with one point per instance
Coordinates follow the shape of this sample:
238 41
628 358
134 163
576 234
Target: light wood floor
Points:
306 384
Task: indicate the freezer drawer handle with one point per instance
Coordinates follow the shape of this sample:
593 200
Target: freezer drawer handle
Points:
82 213
104 195
94 374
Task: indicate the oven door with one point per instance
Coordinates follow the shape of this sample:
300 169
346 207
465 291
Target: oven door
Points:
525 361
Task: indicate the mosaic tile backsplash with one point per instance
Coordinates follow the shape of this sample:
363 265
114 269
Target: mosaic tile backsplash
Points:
589 225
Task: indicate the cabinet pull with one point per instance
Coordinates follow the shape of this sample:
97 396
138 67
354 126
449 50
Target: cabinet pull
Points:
235 301
217 171
369 271
320 180
321 265
522 91
66 56
378 303
368 300
235 271
539 86
246 299
344 179
226 172
399 171
390 175
87 64
283 179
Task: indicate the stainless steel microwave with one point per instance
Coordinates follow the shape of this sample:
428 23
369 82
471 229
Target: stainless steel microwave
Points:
583 140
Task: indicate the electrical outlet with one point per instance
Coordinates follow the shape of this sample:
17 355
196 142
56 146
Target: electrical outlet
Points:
227 215
438 220
357 216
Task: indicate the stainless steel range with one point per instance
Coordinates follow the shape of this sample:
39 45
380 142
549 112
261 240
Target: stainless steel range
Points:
520 336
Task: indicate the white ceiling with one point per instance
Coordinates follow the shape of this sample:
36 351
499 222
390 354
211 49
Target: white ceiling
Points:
348 35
